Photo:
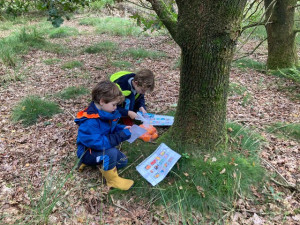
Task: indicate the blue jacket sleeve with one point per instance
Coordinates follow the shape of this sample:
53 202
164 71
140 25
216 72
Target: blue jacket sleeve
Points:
118 137
120 127
90 135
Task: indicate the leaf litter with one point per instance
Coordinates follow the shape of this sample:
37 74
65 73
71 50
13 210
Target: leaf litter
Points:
28 154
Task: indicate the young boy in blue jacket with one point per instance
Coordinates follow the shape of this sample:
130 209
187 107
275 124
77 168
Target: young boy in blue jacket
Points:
133 87
99 134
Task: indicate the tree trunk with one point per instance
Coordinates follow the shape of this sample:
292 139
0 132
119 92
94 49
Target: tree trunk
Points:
206 32
281 35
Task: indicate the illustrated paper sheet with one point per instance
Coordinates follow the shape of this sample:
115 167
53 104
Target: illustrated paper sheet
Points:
156 120
155 168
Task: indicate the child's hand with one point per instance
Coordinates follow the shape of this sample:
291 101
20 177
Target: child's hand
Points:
132 115
142 110
127 127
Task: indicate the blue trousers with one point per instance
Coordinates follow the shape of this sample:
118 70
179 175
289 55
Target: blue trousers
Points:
110 158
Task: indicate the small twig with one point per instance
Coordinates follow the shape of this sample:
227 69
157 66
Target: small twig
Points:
276 170
252 211
295 6
250 53
159 220
226 214
292 187
121 207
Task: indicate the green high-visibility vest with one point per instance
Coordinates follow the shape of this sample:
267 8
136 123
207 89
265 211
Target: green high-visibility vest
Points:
116 76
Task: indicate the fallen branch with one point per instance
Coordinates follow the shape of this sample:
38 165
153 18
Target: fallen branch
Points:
269 164
288 185
291 187
121 207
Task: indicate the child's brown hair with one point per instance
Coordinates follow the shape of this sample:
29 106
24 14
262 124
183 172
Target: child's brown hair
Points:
107 91
145 79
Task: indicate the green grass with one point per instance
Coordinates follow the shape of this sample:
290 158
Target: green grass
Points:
291 89
9 22
140 53
12 76
288 73
62 32
236 89
118 27
239 90
29 109
122 64
249 63
90 21
72 65
113 26
206 182
73 92
6 25
19 43
247 141
51 61
44 200
100 4
55 48
286 130
105 46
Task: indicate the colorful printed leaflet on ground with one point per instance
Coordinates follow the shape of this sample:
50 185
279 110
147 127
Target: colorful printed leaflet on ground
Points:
156 120
155 168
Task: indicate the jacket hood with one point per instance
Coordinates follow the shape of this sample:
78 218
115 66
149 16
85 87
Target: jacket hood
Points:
92 112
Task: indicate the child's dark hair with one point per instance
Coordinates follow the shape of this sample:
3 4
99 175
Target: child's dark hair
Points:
107 91
145 79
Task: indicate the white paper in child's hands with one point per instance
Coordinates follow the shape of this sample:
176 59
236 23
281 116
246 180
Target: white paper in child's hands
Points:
136 132
156 167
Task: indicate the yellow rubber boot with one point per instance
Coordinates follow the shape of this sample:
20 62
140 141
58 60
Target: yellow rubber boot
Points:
81 167
113 179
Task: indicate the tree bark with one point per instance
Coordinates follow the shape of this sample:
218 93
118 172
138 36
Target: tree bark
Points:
206 32
281 34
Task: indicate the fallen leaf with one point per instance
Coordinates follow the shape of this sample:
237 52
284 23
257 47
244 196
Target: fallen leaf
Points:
223 171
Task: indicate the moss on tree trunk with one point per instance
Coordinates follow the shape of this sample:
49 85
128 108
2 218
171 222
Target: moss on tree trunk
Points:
281 35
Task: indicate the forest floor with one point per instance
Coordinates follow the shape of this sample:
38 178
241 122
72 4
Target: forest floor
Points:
28 153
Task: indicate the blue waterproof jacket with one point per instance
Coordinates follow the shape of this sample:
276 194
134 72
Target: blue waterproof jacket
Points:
98 130
132 101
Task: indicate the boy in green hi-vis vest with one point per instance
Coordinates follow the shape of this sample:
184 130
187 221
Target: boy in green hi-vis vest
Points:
133 86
